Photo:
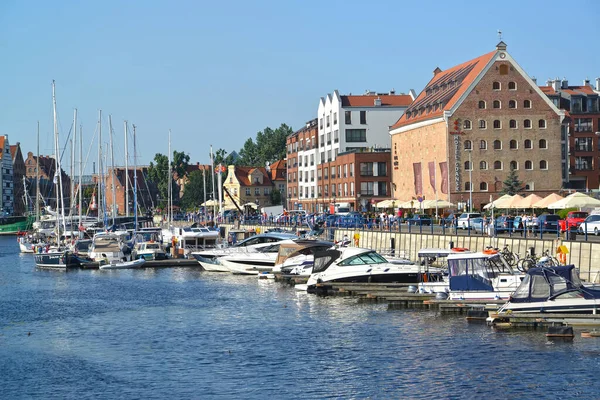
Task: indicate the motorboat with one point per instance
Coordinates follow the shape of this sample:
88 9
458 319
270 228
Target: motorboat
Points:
57 258
553 289
356 264
261 259
297 257
150 250
107 247
436 258
190 239
114 264
209 258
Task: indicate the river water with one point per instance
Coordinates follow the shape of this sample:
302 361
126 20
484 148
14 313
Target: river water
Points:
180 333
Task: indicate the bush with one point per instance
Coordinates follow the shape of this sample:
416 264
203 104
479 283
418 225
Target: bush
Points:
563 213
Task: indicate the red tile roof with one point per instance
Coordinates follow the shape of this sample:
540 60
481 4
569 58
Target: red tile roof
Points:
242 173
443 91
548 90
1 146
387 100
13 150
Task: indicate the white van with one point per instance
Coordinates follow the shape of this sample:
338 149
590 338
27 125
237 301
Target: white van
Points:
464 220
343 208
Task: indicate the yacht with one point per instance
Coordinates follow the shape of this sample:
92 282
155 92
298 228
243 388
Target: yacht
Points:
297 257
261 259
55 257
107 247
190 239
555 289
356 264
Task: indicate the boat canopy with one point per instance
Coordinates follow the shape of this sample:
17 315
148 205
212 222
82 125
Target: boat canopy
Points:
475 271
293 248
545 283
323 259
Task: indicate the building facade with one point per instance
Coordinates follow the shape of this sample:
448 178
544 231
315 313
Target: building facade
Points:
19 181
302 148
470 127
245 185
6 178
582 125
47 168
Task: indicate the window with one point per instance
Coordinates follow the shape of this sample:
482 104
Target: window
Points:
483 145
512 124
514 166
528 144
348 117
381 169
320 123
497 164
526 103
543 164
583 125
482 124
483 186
496 104
497 145
528 164
247 191
366 188
512 104
483 165
467 124
366 169
503 69
496 86
481 104
543 144
497 124
327 121
335 118
257 191
363 117
468 145
352 169
356 135
512 86
467 166
527 124
581 144
513 145
382 188
542 124
467 186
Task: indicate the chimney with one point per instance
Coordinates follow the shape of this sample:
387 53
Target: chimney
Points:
598 84
392 92
586 82
556 84
377 102
549 82
534 79
565 84
436 71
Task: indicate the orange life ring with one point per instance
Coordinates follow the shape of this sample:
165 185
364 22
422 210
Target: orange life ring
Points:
459 249
490 251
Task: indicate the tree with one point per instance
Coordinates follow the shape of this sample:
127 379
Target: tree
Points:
512 185
158 173
180 164
276 197
270 146
193 194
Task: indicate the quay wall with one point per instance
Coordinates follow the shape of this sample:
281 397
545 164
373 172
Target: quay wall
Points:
584 255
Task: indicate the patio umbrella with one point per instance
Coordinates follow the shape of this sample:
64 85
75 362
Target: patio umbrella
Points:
251 204
551 198
499 202
384 204
431 204
210 203
513 202
529 201
575 200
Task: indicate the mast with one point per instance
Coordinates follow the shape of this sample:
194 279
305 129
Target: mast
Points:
204 185
169 188
135 216
126 172
80 177
57 172
100 177
112 164
212 173
72 194
37 177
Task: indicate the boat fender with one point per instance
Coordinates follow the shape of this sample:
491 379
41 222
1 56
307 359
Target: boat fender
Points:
459 249
490 251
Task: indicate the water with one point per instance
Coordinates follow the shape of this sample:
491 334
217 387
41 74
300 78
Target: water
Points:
181 333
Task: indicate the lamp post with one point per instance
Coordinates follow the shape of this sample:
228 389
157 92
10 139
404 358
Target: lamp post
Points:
470 183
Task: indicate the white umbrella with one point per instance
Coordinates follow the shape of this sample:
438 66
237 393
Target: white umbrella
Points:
251 204
513 202
431 204
551 198
384 204
499 202
528 202
210 203
575 200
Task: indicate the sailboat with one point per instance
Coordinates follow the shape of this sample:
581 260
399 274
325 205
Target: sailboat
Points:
58 256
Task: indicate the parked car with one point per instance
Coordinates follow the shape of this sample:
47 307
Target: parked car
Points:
591 224
464 218
449 220
547 223
476 224
504 223
419 219
573 220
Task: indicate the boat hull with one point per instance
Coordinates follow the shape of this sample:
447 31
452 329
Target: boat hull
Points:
57 260
125 265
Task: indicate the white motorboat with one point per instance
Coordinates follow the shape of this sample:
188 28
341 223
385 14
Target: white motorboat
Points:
262 259
209 258
297 257
555 289
124 264
190 239
150 250
107 247
356 264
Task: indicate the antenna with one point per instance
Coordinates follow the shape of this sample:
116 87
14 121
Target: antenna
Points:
499 35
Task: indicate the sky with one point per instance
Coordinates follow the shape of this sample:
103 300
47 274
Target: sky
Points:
216 73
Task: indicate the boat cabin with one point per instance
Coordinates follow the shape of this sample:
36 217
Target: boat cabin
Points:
475 271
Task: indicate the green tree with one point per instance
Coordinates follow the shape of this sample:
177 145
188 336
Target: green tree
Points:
221 157
276 197
158 173
193 194
270 146
512 185
180 164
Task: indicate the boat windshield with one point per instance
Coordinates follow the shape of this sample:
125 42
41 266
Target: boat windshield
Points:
368 258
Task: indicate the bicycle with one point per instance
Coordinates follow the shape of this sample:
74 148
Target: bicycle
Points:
511 258
530 261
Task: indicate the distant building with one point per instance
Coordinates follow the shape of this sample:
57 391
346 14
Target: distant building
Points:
582 105
469 127
19 180
47 168
6 178
146 192
244 185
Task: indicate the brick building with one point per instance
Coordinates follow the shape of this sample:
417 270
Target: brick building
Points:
582 104
47 168
146 192
18 179
470 126
302 146
6 178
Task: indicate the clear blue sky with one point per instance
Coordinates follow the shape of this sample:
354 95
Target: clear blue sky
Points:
218 72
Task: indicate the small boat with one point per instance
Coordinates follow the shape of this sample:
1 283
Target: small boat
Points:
124 264
151 250
57 258
555 289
